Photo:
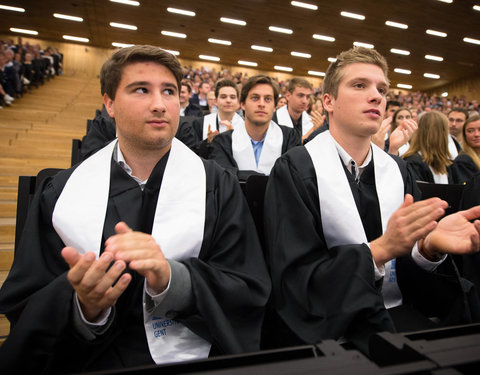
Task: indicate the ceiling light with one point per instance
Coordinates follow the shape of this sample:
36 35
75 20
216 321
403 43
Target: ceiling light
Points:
261 48
404 86
315 73
304 5
123 26
280 30
13 9
283 68
122 45
220 41
332 59
66 17
396 24
436 33
23 31
445 94
301 54
171 33
247 63
446 1
434 58
476 7
352 15
471 40
361 44
402 71
233 21
431 75
400 51
211 58
324 37
126 2
181 11
176 53
75 38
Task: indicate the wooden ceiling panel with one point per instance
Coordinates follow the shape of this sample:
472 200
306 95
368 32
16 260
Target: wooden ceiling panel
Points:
458 20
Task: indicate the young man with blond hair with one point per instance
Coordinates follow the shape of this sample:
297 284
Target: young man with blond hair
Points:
342 226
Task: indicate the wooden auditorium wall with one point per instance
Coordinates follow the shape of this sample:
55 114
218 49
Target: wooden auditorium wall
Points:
87 60
468 87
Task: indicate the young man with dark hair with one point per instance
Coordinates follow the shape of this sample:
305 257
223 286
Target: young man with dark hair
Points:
255 146
200 98
294 114
204 129
456 121
142 254
187 108
341 224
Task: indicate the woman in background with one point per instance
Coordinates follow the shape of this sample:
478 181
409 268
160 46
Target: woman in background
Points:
467 163
428 155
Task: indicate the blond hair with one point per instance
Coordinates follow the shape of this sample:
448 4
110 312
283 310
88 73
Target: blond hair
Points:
467 149
431 140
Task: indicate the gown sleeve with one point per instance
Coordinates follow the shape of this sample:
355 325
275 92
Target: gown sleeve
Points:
230 280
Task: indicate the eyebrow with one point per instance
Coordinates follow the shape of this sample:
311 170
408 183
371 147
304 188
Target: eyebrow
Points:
146 83
364 79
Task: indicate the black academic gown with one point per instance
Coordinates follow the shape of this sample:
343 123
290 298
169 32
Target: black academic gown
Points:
100 132
422 172
463 168
321 293
221 147
230 282
191 134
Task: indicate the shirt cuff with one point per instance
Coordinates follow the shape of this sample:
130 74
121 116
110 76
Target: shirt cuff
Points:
176 298
424 263
99 322
379 271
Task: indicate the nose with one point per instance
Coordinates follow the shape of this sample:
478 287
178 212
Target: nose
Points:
157 103
374 95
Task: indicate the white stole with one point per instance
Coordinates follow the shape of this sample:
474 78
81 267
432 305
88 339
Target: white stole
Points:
242 149
178 226
452 148
341 222
211 119
283 118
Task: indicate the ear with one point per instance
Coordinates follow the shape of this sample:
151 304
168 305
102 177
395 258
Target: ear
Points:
328 102
288 94
242 106
109 105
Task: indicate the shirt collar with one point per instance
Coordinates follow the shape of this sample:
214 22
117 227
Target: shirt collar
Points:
348 161
118 156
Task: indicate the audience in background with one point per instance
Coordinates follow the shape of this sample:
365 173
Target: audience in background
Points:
24 66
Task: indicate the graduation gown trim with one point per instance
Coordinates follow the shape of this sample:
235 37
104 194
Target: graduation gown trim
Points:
242 149
80 212
212 118
283 118
337 202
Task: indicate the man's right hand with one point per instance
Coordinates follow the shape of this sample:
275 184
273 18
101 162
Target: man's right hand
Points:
95 286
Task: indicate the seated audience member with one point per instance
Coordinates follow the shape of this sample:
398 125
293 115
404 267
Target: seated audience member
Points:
467 163
456 122
255 146
205 128
101 131
469 264
212 104
281 102
142 254
341 224
428 155
187 108
200 98
294 114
